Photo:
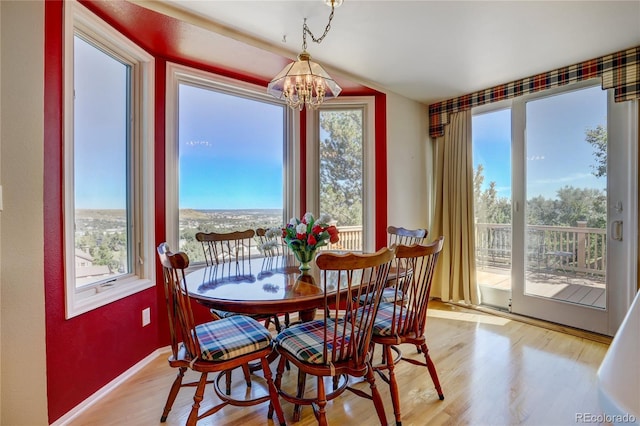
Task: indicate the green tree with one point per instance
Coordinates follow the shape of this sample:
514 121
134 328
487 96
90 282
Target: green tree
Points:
581 204
597 138
488 206
541 211
341 166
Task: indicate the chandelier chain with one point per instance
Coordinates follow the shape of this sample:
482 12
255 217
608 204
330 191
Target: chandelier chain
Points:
306 30
303 82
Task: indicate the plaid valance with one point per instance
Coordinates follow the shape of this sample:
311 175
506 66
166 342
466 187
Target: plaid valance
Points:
620 71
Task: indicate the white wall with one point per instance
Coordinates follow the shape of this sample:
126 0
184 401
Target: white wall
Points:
23 386
0 215
408 163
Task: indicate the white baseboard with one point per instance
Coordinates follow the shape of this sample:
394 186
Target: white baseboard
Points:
106 389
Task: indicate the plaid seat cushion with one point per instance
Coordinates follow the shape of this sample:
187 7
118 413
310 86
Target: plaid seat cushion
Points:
226 314
384 319
231 337
223 314
306 340
388 296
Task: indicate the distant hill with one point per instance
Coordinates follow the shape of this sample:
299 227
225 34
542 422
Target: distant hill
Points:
100 214
195 214
191 214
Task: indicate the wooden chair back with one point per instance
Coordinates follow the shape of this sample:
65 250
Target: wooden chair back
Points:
349 338
407 237
226 247
415 266
181 322
270 242
250 343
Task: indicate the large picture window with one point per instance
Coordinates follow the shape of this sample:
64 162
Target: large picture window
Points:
228 165
340 169
107 139
102 141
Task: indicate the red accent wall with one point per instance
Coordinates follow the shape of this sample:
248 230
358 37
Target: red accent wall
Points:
381 169
303 164
86 352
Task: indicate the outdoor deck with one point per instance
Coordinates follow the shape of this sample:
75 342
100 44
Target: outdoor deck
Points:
567 286
564 263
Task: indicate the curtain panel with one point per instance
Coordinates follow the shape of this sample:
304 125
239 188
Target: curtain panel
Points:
620 71
455 276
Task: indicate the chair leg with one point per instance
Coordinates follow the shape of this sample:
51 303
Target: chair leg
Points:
287 320
432 370
302 380
375 396
322 403
278 382
197 398
247 374
336 382
227 378
393 385
273 392
276 323
175 387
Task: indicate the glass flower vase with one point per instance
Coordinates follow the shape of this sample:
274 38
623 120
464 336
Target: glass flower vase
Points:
304 256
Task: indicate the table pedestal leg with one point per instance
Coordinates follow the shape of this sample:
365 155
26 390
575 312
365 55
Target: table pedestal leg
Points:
308 315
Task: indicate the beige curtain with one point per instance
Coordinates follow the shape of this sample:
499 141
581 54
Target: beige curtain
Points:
455 277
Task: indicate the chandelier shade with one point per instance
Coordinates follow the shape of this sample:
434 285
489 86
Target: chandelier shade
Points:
303 82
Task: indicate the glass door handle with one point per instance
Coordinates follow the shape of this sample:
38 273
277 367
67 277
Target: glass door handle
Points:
616 230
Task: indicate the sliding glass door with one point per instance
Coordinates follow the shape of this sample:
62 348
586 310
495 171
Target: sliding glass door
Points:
492 201
549 219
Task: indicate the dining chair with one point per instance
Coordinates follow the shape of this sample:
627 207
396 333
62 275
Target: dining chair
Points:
215 346
271 244
337 346
225 247
231 247
402 236
404 321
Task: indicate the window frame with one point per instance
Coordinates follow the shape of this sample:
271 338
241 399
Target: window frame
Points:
177 74
140 169
367 104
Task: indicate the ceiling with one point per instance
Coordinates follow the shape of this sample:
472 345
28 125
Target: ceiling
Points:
424 50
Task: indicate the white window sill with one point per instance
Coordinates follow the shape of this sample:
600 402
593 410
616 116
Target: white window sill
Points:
96 297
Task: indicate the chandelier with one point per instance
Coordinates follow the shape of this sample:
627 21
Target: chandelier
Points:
305 82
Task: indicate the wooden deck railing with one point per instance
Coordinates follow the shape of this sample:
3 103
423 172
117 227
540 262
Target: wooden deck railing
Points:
350 239
575 249
572 249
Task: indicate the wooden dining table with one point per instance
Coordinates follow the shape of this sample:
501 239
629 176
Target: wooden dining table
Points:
267 286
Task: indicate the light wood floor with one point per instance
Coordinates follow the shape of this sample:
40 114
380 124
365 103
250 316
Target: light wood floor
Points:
493 371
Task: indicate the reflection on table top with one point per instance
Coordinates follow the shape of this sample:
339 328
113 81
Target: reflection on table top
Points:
257 286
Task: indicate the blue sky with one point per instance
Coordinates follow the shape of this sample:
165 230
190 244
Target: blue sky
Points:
99 134
557 154
231 151
231 148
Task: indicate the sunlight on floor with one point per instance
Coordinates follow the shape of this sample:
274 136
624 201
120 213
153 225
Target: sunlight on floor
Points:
464 316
